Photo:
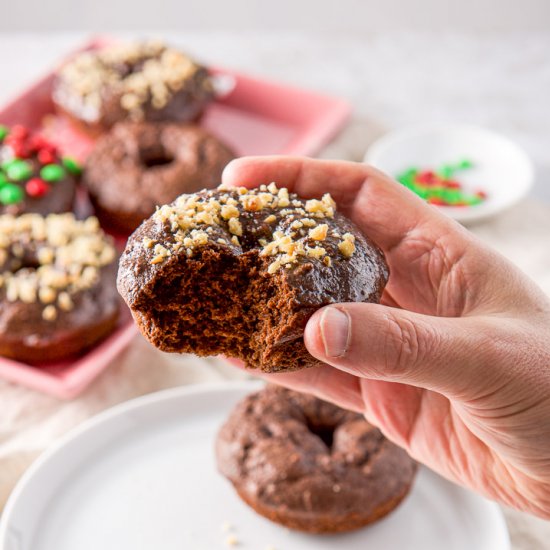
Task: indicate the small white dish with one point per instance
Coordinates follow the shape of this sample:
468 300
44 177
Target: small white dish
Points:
142 475
500 168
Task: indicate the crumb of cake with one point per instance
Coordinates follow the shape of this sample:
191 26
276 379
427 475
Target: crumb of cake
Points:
231 540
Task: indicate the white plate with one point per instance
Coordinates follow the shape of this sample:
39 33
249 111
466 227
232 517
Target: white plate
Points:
142 476
501 168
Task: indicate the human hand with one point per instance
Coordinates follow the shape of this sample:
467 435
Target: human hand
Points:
454 365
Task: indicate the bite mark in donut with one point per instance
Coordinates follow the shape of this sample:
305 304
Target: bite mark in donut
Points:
238 272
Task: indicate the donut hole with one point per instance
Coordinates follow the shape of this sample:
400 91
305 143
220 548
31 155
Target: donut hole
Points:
151 158
219 304
324 432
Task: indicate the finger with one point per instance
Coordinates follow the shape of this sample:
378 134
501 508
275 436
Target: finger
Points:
369 197
377 342
323 382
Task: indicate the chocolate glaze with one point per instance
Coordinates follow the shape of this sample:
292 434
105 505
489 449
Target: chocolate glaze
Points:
60 197
85 306
185 104
26 336
227 289
138 166
310 465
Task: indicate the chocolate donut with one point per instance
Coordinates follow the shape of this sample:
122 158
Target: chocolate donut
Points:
138 166
133 81
310 465
57 287
239 272
33 176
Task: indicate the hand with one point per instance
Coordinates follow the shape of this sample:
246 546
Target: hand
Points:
454 366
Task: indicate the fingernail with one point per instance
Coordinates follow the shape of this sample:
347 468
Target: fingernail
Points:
335 331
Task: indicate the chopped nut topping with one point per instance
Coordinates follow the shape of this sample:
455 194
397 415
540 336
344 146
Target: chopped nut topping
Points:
274 267
235 227
46 295
252 203
229 211
283 197
49 313
65 301
347 246
317 252
151 72
193 220
319 233
68 253
148 243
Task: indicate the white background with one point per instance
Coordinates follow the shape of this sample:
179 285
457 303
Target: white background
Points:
398 62
329 15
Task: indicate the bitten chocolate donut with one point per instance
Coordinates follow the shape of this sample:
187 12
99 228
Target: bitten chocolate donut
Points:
139 166
57 287
239 272
310 465
132 81
34 177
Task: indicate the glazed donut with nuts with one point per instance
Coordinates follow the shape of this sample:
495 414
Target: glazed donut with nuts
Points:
239 272
138 166
310 465
131 81
57 286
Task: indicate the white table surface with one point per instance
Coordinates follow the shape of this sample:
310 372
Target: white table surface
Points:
500 81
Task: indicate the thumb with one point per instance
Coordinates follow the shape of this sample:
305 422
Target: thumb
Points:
447 355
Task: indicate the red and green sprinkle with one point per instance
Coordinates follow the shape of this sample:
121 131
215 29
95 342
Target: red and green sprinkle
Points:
19 147
440 186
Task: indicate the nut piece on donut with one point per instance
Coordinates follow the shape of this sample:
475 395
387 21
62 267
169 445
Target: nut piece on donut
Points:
310 465
239 272
138 166
131 81
57 287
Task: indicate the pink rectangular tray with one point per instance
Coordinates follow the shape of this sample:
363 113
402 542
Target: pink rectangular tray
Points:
256 117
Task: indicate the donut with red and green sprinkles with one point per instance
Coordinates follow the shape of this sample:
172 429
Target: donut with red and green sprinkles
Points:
34 176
